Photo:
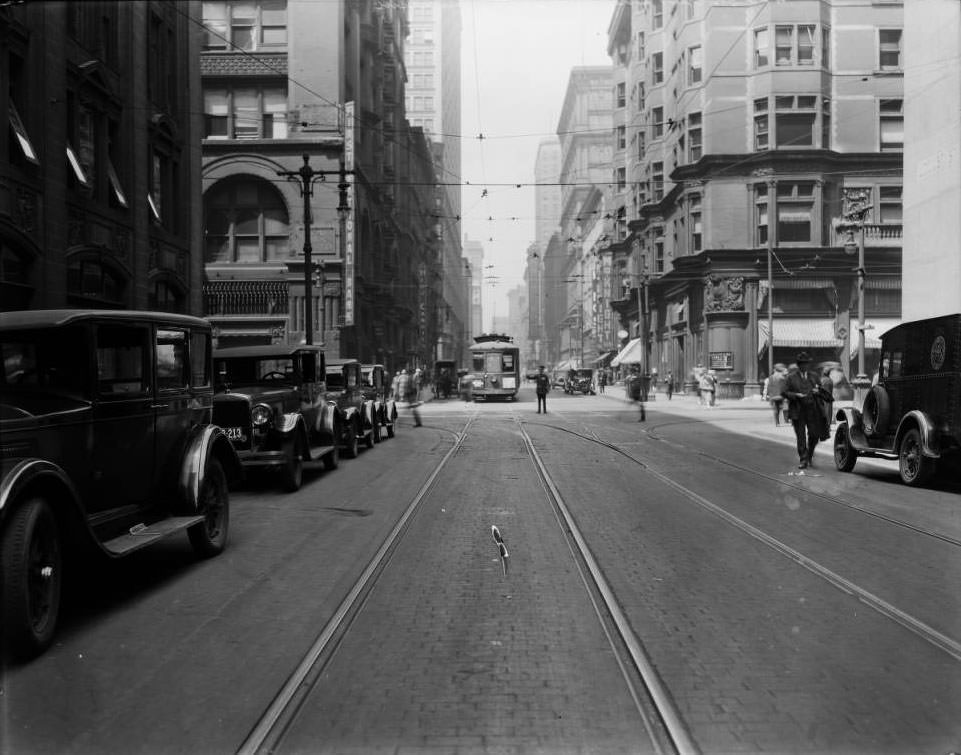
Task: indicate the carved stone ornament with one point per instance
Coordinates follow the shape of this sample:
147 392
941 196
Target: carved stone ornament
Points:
724 294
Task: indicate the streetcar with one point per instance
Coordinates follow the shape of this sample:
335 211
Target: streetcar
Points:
495 364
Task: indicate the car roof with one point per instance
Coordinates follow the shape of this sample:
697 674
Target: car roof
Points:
264 350
45 318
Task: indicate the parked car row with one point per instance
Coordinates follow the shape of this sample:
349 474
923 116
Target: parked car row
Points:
120 429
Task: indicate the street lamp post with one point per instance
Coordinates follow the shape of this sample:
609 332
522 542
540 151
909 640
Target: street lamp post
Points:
857 205
307 175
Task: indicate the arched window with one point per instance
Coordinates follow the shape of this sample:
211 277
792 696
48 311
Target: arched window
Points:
167 297
91 283
245 220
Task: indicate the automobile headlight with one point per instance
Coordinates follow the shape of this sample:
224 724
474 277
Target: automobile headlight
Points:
261 415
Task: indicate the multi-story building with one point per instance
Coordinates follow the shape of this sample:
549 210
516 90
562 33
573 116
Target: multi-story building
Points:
584 129
432 61
323 81
474 254
100 159
547 216
932 161
763 138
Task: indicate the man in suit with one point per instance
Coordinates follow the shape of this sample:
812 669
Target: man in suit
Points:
800 389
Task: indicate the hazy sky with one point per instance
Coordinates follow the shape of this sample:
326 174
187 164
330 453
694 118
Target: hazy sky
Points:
516 58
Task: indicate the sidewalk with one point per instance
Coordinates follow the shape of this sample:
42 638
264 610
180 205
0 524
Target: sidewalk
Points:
748 416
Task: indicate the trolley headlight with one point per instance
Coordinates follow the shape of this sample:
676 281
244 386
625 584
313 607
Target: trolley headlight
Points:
261 415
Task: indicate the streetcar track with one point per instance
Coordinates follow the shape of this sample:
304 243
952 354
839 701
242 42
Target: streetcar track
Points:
669 720
916 626
267 731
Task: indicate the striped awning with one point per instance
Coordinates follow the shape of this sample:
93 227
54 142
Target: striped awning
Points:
802 333
630 354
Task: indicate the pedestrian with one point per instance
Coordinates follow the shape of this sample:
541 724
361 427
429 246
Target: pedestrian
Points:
394 393
773 386
698 374
601 380
800 389
635 391
408 394
542 384
706 387
825 401
418 382
669 384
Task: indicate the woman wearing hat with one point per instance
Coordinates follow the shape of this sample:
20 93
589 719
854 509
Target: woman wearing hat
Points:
800 388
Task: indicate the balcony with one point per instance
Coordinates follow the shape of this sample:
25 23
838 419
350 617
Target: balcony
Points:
260 298
875 234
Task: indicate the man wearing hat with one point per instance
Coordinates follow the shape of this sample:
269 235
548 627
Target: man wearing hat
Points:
800 388
542 384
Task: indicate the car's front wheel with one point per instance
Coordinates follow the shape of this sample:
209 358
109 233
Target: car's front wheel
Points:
209 537
915 468
845 455
32 578
350 441
292 473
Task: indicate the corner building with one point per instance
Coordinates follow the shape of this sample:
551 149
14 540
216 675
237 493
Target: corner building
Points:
100 156
753 131
284 79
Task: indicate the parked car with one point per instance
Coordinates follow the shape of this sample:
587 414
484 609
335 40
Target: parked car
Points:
580 380
913 412
376 387
108 446
345 389
272 403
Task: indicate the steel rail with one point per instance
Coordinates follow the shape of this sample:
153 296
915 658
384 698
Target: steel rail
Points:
262 730
674 724
926 632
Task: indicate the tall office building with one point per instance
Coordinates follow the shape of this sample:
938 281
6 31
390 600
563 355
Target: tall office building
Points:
432 58
474 254
753 133
100 156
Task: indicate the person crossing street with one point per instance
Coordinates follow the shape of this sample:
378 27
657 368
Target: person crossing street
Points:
542 384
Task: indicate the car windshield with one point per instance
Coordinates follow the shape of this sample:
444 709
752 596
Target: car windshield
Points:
250 370
335 380
46 361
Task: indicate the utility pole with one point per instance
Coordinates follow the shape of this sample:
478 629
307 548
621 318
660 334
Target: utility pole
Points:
857 205
307 175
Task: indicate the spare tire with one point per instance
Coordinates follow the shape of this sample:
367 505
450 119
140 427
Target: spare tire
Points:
876 412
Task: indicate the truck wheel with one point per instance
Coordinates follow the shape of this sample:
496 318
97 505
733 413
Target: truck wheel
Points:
209 537
845 456
292 473
916 468
32 578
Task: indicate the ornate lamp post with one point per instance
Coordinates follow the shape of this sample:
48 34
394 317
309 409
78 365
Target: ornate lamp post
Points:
857 205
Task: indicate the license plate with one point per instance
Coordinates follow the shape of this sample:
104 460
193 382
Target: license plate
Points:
235 433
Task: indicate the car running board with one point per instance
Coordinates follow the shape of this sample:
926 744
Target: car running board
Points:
318 453
140 535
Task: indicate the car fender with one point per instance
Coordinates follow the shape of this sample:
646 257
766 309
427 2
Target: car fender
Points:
370 414
929 439
390 410
209 442
289 422
856 436
30 476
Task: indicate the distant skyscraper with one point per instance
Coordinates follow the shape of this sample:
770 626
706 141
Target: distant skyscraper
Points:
474 253
547 192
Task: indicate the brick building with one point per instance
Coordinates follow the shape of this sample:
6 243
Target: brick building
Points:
100 156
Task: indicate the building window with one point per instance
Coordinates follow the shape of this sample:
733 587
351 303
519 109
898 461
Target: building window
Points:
694 135
620 177
94 27
658 233
694 212
795 45
657 14
891 125
245 112
890 204
657 68
620 94
657 180
93 284
166 297
761 125
245 24
761 213
694 65
641 144
762 51
640 45
621 136
162 60
795 211
657 122
245 221
889 49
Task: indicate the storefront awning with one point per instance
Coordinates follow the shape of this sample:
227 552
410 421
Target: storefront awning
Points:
801 333
567 364
630 354
604 359
873 331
